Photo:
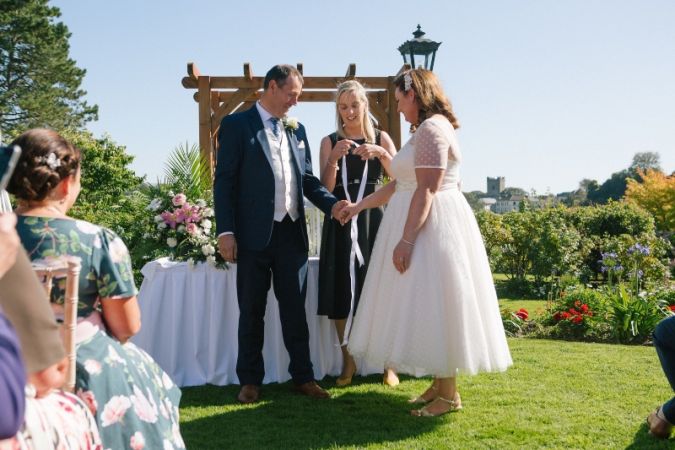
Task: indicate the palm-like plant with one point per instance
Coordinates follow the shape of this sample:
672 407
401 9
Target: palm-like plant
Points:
188 171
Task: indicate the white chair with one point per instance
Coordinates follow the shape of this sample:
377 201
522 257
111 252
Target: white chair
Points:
47 271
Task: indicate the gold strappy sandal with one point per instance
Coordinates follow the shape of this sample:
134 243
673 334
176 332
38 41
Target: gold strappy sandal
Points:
424 412
419 400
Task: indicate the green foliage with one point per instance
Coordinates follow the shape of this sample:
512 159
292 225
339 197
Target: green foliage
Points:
39 83
110 194
632 317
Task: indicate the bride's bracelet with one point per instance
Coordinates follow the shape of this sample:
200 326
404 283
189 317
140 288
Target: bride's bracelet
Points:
408 242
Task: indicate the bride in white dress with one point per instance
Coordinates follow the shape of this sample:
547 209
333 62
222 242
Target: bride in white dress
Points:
428 305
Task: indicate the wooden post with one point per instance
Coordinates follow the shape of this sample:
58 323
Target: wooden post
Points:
205 136
394 125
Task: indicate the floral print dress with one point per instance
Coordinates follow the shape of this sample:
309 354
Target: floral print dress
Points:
134 401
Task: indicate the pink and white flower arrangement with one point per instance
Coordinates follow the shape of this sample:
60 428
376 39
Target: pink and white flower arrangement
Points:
182 229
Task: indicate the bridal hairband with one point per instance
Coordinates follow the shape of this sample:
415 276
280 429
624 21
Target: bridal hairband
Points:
407 81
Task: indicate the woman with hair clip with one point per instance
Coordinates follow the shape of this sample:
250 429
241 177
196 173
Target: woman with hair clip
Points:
428 305
134 401
353 160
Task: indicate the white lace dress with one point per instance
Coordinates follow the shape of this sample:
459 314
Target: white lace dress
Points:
441 316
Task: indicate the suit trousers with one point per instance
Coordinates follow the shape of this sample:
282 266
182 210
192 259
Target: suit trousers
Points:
284 263
664 341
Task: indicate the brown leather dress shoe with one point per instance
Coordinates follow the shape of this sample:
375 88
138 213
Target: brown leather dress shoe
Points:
249 393
311 389
658 425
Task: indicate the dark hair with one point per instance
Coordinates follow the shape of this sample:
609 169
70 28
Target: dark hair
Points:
280 73
34 178
430 96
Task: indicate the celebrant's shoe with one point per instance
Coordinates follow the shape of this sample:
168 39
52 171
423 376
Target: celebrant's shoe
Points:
346 380
425 412
390 378
658 425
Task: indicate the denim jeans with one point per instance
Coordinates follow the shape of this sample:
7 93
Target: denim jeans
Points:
664 341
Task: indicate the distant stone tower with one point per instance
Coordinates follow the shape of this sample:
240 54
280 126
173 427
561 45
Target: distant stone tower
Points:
495 186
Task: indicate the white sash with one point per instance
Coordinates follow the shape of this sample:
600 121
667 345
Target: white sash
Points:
355 252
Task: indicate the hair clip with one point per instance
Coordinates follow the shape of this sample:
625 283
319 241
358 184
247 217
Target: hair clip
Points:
51 160
407 81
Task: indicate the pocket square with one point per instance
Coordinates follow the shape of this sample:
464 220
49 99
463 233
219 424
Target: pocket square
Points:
252 141
301 145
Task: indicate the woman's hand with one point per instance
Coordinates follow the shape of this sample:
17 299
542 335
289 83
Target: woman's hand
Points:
348 212
340 149
369 151
402 256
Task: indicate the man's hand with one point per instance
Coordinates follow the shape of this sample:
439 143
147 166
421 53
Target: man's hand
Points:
335 211
227 246
9 242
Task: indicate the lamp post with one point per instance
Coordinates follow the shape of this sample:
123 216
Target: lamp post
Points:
420 47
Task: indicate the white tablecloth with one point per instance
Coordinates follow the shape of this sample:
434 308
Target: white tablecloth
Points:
190 318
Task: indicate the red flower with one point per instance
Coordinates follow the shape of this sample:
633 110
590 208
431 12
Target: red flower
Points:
574 312
577 319
577 303
523 314
672 308
565 315
584 308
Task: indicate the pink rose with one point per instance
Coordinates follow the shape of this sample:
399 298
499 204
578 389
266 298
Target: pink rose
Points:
179 200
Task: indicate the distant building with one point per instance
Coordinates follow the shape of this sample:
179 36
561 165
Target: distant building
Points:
504 206
488 203
495 186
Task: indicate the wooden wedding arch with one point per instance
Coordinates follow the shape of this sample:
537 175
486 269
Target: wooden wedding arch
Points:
219 96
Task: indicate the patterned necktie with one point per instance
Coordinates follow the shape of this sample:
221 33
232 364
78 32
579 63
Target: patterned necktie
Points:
276 127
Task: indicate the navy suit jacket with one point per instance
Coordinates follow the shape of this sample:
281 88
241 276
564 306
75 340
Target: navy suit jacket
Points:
243 188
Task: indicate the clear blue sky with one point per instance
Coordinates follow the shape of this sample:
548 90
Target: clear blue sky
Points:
548 92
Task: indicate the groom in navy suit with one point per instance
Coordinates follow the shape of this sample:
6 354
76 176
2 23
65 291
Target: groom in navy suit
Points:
263 171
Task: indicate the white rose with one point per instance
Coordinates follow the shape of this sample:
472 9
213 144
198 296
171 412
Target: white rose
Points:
171 242
171 194
158 218
208 212
206 224
181 228
154 204
208 249
211 260
201 203
161 226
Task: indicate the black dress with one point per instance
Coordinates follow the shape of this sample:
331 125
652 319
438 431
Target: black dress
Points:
334 278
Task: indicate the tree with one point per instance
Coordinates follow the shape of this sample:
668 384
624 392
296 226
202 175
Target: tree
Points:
39 83
656 194
510 192
645 161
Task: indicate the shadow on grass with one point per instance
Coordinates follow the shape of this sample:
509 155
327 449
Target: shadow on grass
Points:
356 416
643 440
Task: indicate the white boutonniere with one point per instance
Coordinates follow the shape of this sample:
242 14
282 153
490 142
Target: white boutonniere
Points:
290 123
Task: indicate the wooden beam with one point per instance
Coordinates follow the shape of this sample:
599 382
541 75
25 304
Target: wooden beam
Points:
310 82
193 71
232 103
247 71
299 67
205 142
351 71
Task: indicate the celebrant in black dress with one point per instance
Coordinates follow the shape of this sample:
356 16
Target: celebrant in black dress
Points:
353 161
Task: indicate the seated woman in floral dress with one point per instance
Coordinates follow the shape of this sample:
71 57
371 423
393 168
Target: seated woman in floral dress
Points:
135 403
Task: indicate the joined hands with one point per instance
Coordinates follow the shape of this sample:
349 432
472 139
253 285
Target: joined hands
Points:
343 211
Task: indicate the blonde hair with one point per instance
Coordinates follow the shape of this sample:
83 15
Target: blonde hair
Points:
367 128
429 94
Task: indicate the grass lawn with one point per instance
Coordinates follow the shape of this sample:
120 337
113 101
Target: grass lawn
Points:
557 395
534 307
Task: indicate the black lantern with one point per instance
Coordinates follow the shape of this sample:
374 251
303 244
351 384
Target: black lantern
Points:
419 47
